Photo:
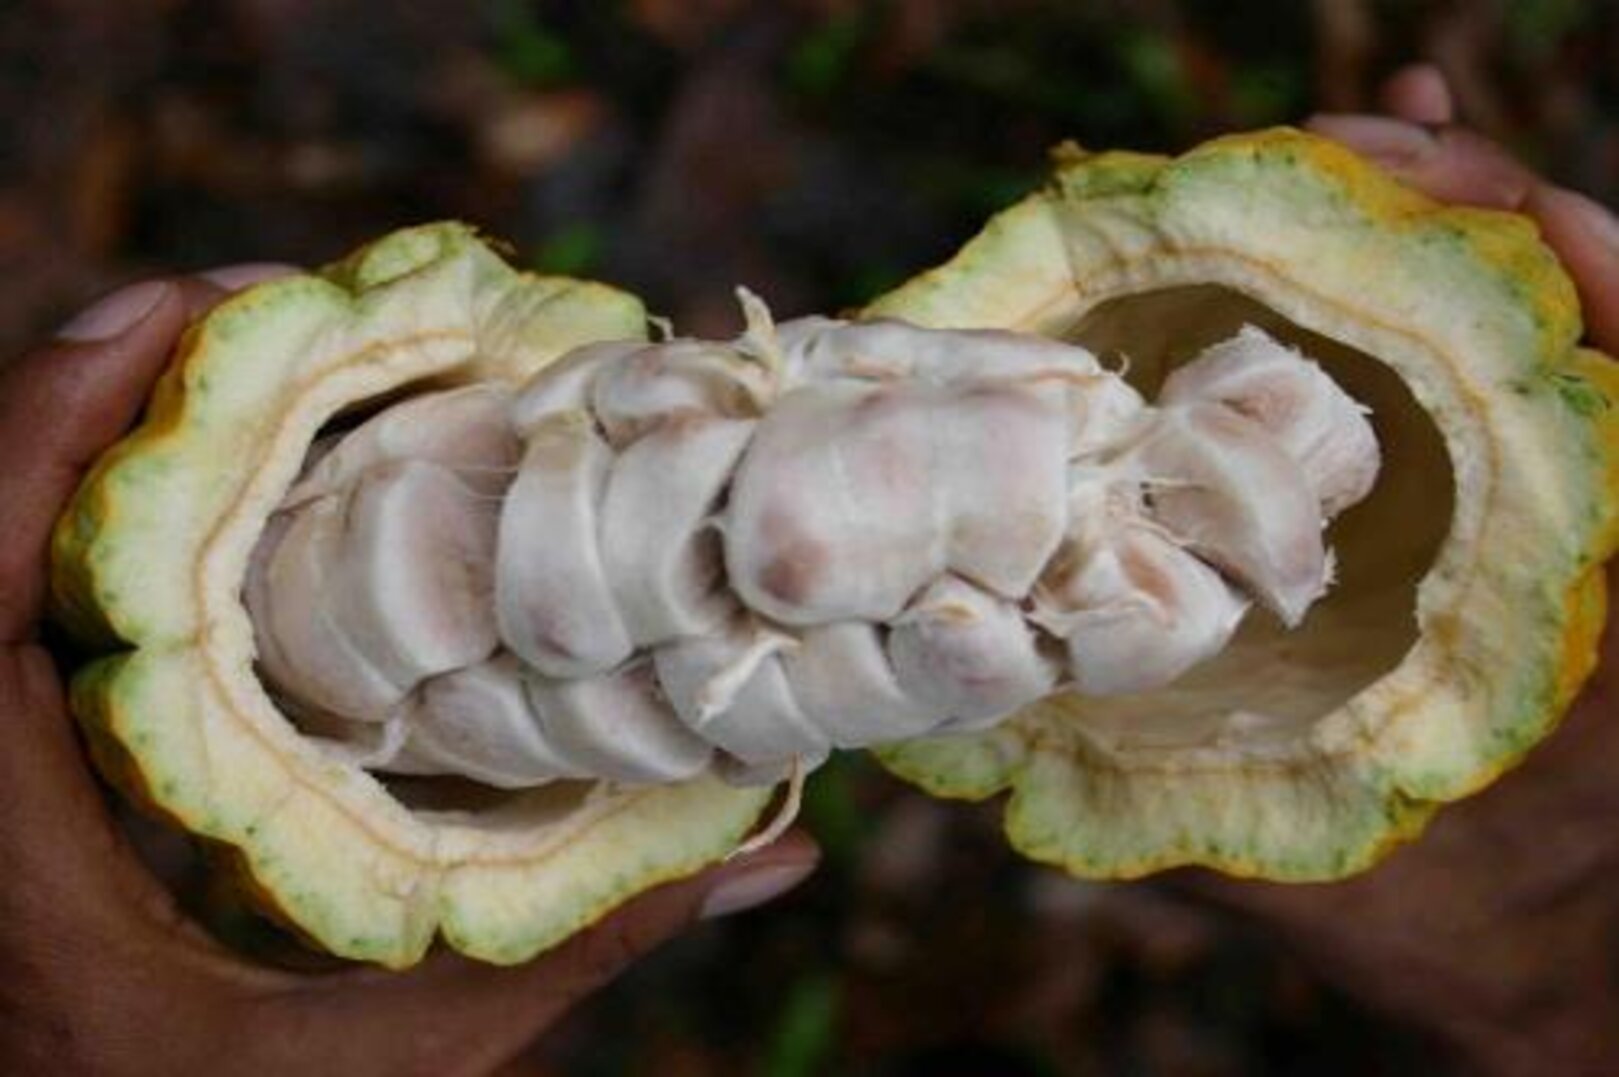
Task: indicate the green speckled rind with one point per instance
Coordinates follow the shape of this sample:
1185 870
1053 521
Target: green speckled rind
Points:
148 559
1480 321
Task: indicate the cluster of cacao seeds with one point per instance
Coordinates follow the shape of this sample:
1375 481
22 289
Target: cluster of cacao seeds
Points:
660 558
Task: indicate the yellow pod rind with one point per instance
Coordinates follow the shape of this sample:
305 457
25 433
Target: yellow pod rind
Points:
1477 318
149 558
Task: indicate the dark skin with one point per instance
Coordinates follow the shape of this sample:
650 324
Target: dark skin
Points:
1492 931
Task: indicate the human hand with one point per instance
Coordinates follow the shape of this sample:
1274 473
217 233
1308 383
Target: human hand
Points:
1419 142
100 971
1495 930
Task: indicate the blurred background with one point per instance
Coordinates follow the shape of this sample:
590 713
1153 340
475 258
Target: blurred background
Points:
819 152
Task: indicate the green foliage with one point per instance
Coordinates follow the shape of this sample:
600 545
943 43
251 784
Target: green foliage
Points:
805 1032
822 60
1538 27
525 49
570 251
1263 94
1157 75
831 810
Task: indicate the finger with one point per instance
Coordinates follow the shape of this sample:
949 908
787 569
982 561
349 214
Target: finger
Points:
1451 165
204 289
59 408
1456 165
233 278
199 296
1585 235
1418 93
455 1015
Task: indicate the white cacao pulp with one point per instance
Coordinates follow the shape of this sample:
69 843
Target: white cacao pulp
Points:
661 558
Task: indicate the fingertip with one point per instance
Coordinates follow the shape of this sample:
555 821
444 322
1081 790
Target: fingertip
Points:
1573 214
117 312
206 289
1383 139
1451 165
200 296
60 406
761 876
93 376
1584 234
233 278
1418 93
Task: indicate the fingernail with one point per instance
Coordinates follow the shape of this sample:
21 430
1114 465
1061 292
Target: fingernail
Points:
1419 93
1378 137
115 314
749 889
1590 214
233 278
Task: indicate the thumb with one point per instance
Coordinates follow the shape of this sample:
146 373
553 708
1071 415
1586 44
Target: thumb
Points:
452 1015
1450 164
59 407
67 401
